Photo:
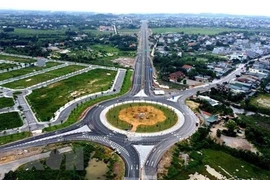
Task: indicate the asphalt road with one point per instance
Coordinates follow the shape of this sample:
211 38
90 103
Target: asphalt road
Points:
142 80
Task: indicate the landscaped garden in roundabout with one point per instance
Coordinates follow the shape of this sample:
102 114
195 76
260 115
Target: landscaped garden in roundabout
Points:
142 117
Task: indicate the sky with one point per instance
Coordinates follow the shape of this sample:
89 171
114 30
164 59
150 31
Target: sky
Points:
237 7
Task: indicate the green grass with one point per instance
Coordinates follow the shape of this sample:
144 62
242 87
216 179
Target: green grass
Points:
113 118
47 100
97 32
261 101
16 59
194 30
30 81
4 66
217 159
220 160
76 114
23 31
6 102
26 70
128 31
13 137
10 120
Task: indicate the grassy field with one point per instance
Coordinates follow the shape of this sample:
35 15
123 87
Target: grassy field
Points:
37 31
223 163
113 118
47 100
10 120
261 101
16 59
96 32
77 113
6 102
13 137
128 31
4 66
26 70
23 83
194 30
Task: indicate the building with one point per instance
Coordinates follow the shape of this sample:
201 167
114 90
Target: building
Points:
187 67
209 118
212 102
173 77
41 62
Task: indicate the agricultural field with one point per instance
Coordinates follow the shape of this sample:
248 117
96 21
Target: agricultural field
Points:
10 120
26 70
16 59
97 32
6 102
47 100
23 83
4 66
194 30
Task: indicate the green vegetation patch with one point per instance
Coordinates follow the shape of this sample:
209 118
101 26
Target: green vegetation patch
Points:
113 118
91 151
195 30
262 101
6 66
10 120
16 59
6 102
26 70
13 137
76 114
30 81
47 100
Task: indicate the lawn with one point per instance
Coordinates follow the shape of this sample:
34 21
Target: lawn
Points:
113 118
77 113
16 59
30 81
10 120
26 70
47 100
6 102
13 137
195 30
4 66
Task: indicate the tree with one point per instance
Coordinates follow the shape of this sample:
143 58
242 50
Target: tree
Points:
218 133
184 81
231 125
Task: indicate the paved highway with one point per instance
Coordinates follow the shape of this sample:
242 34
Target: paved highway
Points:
90 128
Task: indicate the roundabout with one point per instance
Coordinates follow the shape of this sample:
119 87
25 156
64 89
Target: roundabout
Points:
142 118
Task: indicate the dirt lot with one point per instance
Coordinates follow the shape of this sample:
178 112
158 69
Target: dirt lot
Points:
124 61
238 142
193 105
141 115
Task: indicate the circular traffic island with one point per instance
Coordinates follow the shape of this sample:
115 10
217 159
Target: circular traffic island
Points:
141 117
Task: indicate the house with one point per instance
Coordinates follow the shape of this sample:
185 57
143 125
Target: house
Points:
173 77
209 118
187 67
212 102
203 79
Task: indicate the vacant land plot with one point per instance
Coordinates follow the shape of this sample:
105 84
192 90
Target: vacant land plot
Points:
10 120
4 66
128 31
16 59
263 101
6 102
43 77
26 70
215 164
193 30
142 117
47 100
